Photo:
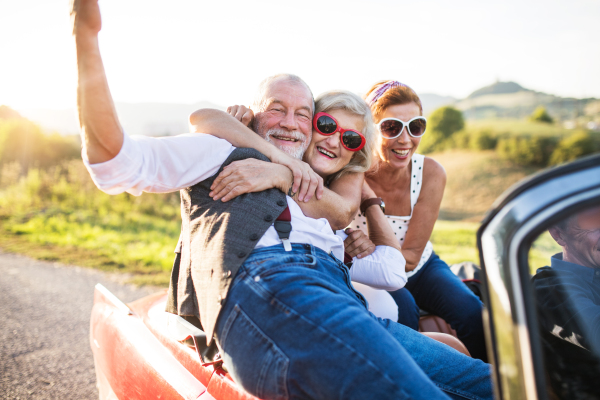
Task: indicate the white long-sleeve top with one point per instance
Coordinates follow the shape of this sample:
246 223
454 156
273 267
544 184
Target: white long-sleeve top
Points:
168 164
383 269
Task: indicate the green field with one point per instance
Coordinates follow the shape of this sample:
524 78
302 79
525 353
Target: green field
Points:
57 214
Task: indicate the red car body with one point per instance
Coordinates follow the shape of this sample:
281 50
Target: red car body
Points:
136 357
140 352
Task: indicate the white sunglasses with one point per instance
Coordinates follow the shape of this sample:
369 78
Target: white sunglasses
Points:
391 128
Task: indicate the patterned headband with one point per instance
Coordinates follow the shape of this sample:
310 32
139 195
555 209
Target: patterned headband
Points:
381 89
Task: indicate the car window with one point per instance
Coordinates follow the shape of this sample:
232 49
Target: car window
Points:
564 263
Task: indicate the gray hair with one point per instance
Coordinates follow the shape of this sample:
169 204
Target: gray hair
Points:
259 102
351 102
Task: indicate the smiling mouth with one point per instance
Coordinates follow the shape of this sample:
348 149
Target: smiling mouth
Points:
401 153
326 152
285 138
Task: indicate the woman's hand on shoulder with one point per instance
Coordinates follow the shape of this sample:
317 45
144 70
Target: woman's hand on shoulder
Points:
242 114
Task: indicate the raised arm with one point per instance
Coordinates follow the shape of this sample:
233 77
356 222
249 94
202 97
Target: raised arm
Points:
102 136
117 163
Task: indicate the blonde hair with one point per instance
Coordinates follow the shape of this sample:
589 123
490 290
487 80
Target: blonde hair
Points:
348 101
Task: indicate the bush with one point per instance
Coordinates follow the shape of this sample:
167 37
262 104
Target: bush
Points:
446 121
23 142
441 125
482 140
541 115
572 147
527 151
460 140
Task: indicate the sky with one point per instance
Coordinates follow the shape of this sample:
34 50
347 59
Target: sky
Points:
184 51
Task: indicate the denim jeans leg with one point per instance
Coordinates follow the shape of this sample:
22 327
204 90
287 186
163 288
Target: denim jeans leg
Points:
460 376
292 327
437 290
408 310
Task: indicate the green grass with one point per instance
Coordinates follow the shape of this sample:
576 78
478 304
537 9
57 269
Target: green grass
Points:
59 215
475 179
455 242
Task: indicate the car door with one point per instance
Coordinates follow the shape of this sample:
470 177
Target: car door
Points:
542 311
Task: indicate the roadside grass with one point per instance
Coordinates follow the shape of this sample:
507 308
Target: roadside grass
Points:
475 179
59 215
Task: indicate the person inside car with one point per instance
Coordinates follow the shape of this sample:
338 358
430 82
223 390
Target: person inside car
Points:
567 294
570 288
236 273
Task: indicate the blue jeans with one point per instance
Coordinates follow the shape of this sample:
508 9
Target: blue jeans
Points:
437 290
294 328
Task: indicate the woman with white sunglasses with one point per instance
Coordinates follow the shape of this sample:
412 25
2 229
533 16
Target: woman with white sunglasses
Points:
410 187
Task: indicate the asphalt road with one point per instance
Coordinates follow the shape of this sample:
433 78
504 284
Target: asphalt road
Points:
44 327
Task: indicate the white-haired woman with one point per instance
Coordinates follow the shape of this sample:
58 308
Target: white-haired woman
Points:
343 141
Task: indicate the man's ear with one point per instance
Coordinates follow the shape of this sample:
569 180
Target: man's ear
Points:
557 235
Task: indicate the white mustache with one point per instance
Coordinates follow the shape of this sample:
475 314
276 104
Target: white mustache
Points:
297 152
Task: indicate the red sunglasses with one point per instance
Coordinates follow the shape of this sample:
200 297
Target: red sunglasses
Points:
326 125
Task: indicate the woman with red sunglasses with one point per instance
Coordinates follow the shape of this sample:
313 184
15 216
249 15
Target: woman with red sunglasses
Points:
340 151
411 186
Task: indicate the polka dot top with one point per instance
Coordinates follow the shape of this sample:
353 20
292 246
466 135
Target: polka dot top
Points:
400 224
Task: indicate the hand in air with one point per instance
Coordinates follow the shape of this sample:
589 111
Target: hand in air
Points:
306 181
357 244
85 17
242 114
247 176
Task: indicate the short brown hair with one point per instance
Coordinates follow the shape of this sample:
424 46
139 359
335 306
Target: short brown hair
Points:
393 96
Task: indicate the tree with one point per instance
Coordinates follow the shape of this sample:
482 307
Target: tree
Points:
441 125
541 115
446 121
574 146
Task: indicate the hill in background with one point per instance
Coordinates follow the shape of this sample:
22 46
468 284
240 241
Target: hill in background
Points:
509 100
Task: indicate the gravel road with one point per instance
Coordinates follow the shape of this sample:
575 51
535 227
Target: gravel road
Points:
44 327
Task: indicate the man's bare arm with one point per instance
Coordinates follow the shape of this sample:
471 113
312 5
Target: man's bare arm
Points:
102 136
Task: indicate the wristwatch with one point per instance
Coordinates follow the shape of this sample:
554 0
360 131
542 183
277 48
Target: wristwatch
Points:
370 202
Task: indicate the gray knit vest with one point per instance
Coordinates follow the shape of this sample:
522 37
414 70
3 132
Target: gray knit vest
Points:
216 238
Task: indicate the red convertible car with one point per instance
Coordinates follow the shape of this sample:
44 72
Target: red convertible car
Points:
142 352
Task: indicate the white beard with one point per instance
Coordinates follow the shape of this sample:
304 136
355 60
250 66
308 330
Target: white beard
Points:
296 152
